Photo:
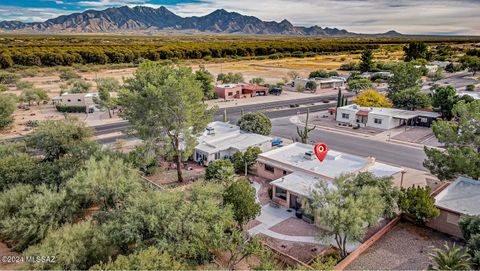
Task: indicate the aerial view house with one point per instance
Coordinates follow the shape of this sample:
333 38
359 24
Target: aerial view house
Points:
322 83
295 170
221 140
383 118
76 99
462 197
241 90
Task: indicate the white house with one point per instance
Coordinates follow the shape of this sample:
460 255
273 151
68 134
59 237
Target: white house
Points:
322 83
474 95
383 118
221 140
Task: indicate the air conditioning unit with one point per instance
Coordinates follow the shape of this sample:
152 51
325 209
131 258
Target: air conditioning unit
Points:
309 155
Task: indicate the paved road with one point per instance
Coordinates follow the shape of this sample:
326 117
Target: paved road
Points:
457 80
233 113
405 156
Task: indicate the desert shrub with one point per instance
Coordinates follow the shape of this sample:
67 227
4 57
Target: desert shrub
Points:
417 203
8 78
71 108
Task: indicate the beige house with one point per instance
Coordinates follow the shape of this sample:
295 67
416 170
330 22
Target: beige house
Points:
322 83
76 99
295 170
462 197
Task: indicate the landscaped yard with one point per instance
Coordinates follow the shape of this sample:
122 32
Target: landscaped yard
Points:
167 173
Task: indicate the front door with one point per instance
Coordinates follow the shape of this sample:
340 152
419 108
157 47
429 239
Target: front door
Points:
295 202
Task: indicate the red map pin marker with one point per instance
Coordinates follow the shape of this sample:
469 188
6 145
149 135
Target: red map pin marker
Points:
321 150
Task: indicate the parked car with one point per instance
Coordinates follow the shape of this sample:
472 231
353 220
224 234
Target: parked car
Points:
277 142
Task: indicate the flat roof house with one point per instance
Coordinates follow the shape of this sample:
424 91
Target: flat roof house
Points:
462 197
76 99
383 118
241 90
295 170
322 83
221 140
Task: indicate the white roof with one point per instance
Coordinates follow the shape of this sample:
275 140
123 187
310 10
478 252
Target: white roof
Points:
299 183
223 136
461 196
292 158
392 112
303 183
474 95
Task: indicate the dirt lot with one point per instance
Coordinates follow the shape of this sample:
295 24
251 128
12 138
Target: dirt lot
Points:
406 247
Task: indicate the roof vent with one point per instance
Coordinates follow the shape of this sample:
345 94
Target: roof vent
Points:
309 155
210 130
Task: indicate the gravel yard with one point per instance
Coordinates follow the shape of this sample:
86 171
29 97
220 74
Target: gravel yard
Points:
296 227
406 247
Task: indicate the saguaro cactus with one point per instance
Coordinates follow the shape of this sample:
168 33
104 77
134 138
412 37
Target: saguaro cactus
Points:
303 133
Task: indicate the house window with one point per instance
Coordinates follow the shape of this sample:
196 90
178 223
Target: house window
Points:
377 121
217 156
345 116
238 92
230 93
280 193
269 168
68 100
79 100
284 172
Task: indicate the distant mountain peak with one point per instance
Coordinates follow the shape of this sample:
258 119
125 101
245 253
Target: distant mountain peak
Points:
143 18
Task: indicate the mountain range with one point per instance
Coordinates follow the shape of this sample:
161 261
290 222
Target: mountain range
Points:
143 19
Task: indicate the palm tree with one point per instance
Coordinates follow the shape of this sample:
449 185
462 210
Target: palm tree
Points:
450 258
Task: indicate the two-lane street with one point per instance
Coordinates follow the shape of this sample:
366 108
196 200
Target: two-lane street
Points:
401 155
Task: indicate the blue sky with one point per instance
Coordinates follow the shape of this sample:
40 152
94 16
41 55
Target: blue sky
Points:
363 16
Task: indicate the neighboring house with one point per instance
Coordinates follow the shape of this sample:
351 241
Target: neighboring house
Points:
241 90
383 118
369 75
221 140
76 99
462 197
442 64
295 171
322 83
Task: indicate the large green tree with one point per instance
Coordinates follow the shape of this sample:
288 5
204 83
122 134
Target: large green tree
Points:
206 79
404 76
445 98
241 196
411 98
346 214
230 78
255 122
462 143
58 138
415 50
164 105
366 63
